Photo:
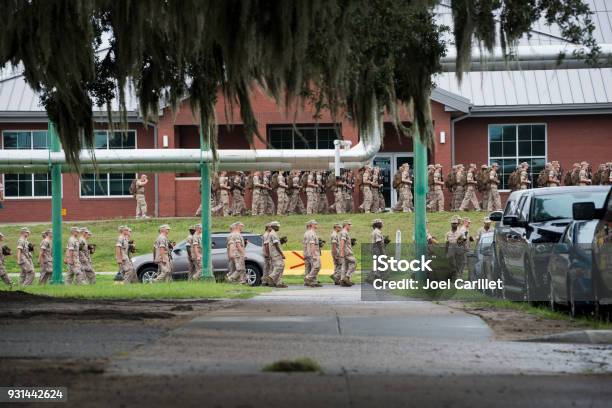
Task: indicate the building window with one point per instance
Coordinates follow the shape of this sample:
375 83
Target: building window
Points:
303 136
510 145
109 184
26 185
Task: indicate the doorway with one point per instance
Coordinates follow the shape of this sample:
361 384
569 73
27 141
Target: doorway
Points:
390 164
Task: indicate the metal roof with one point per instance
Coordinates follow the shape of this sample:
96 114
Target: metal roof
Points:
536 89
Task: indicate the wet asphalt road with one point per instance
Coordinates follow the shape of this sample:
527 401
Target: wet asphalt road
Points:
400 353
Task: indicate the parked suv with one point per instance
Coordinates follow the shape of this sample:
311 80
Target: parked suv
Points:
147 269
532 222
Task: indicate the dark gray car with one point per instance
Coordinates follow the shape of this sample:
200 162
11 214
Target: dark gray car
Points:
147 269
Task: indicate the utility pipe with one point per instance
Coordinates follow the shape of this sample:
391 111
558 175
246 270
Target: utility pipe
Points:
526 57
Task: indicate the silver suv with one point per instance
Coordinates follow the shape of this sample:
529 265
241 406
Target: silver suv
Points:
147 269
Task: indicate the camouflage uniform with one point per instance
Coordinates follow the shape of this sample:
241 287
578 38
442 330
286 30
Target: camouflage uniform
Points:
366 188
267 267
282 200
348 196
323 204
524 179
3 275
335 239
295 202
141 202
437 196
455 252
494 203
189 250
196 244
339 201
75 273
126 267
459 191
237 268
470 193
583 177
269 207
405 194
224 202
237 196
348 261
277 261
46 261
312 195
486 193
258 204
312 261
164 266
85 260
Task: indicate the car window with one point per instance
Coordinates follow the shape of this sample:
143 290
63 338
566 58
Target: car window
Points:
559 206
218 242
523 208
255 240
510 207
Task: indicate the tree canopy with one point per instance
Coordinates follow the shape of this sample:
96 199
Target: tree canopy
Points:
348 56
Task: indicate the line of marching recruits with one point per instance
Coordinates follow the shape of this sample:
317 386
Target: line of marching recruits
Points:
228 192
77 258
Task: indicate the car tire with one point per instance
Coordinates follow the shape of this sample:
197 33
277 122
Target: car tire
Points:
148 274
253 274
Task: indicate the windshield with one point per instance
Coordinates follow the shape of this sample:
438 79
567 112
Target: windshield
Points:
559 206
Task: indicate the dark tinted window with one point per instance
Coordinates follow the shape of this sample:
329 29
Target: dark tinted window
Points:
218 242
254 239
559 206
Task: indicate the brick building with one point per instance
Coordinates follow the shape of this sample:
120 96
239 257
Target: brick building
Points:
502 116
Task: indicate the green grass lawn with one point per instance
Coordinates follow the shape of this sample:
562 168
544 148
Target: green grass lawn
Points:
106 288
145 231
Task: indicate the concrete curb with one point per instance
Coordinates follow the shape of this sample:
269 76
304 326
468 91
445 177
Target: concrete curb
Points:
580 337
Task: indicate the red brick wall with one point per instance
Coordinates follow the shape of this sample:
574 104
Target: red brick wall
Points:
77 208
569 138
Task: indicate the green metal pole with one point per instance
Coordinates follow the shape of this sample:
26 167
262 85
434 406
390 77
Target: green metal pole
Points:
207 272
420 194
56 206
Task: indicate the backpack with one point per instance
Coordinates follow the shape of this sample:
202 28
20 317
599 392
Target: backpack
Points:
430 178
397 180
514 181
304 179
133 187
482 179
575 177
567 180
290 181
451 180
274 182
543 177
462 180
330 181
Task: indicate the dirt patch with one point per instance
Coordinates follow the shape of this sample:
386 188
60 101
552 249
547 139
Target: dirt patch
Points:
87 314
512 325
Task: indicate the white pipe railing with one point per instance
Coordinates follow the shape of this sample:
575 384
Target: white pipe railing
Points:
526 57
188 160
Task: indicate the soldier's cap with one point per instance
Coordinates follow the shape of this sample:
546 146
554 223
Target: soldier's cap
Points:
484 166
196 226
25 229
487 220
275 224
346 222
473 165
88 232
377 221
240 224
438 166
430 166
75 229
47 231
83 229
584 163
311 222
455 219
524 164
466 219
495 164
165 226
337 224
